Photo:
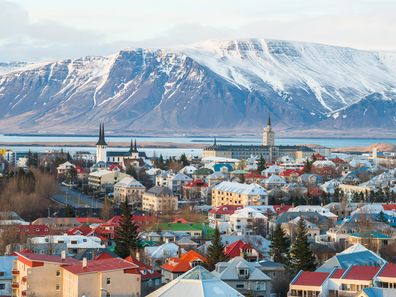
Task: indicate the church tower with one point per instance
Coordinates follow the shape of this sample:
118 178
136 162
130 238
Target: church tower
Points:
101 146
269 134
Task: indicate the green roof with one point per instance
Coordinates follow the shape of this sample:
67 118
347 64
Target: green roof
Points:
239 172
203 171
187 227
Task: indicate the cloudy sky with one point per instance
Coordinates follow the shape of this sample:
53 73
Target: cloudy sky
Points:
33 30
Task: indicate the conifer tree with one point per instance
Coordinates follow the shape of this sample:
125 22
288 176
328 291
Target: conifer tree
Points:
261 164
215 251
279 245
300 255
126 234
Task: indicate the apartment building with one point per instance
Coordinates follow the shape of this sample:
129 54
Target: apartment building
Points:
129 189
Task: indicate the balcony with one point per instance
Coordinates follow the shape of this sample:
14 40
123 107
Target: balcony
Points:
15 272
15 285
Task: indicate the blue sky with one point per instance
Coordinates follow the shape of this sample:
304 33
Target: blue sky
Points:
43 29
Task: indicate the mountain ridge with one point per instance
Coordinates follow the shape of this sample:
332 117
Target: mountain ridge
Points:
222 85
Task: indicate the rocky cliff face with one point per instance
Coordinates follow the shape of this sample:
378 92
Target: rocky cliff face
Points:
220 86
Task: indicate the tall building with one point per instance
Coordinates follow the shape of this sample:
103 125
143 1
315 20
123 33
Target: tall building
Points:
101 146
269 134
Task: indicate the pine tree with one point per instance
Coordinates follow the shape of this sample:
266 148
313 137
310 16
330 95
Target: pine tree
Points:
279 245
126 234
261 164
300 255
132 172
183 160
215 251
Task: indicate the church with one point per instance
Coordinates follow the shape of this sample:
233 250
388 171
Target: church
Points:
268 149
125 159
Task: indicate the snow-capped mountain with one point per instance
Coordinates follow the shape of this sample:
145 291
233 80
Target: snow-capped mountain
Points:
6 67
214 85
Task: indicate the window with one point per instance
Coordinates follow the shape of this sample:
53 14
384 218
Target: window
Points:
57 287
1 273
240 286
108 281
2 286
73 242
58 273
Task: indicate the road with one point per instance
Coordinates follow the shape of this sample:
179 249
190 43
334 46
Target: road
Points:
75 198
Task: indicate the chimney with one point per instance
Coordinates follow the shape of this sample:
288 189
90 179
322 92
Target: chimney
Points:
84 263
137 255
63 255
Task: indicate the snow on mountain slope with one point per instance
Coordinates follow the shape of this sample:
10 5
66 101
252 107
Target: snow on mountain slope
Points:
337 76
214 85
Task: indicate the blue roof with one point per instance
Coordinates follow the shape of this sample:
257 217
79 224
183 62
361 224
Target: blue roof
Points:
370 235
359 258
218 166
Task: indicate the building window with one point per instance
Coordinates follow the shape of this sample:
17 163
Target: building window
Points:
240 286
2 286
108 281
58 273
57 287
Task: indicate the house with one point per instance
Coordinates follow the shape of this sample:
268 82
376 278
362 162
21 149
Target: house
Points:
195 190
245 277
197 282
316 208
39 275
150 279
291 226
65 168
104 180
373 240
188 170
113 276
242 249
307 283
160 200
129 189
219 216
6 265
273 181
157 255
247 221
234 193
273 169
174 267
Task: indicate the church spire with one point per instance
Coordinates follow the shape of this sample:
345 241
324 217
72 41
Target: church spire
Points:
131 146
269 119
215 141
101 140
135 148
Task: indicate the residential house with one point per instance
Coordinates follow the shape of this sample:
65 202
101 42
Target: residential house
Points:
219 216
174 267
129 189
159 199
156 255
6 265
233 193
104 180
242 249
248 221
245 277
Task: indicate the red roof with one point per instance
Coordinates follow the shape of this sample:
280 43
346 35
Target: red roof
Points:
289 172
255 175
389 206
234 249
281 208
366 273
45 258
183 264
225 209
314 191
89 220
80 170
101 265
196 184
389 270
180 220
114 166
34 230
145 270
338 273
338 160
104 255
312 279
319 157
79 230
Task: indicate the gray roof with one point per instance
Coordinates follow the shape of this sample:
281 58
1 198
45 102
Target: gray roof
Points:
160 191
229 270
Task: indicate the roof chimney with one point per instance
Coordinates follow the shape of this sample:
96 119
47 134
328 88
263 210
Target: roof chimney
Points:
84 263
63 255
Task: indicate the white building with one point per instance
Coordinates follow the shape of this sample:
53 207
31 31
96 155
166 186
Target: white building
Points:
101 146
130 189
242 221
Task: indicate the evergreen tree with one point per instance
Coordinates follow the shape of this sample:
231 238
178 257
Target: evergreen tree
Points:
132 172
126 234
279 245
300 255
183 160
261 164
381 217
215 251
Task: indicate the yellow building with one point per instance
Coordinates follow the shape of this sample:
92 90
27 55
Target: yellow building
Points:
104 178
159 199
53 276
38 275
233 193
129 189
98 278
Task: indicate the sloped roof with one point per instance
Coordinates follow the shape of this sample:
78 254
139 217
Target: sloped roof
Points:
365 273
183 263
198 282
230 270
160 191
310 279
250 189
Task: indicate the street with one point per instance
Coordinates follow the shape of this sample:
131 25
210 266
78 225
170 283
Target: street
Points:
75 198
